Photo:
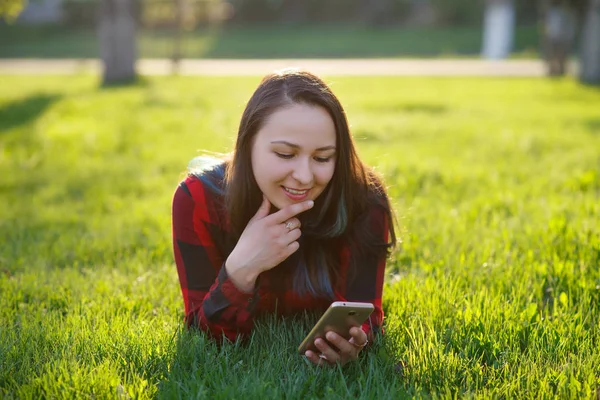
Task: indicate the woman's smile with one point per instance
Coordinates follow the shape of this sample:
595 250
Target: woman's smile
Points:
296 195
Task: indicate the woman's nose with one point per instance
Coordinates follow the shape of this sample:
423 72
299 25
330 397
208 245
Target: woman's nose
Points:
303 172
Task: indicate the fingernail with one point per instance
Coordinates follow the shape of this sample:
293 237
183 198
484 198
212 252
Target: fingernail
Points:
330 336
311 203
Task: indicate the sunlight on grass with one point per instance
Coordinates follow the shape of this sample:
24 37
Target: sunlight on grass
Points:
494 292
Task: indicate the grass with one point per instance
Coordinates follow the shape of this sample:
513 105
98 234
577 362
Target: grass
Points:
267 42
495 292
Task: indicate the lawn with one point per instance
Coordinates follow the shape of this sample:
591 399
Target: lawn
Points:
495 291
267 42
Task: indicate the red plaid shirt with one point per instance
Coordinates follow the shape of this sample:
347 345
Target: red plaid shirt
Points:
201 244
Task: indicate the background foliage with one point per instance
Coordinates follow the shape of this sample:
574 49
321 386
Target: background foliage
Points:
10 9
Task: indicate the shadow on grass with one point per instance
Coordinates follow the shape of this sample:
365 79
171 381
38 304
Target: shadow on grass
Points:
593 126
267 365
138 81
69 236
409 108
433 109
23 111
51 244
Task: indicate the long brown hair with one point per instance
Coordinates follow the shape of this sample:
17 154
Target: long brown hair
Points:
339 214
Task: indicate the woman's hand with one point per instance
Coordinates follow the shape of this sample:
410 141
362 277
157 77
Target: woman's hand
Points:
348 349
265 243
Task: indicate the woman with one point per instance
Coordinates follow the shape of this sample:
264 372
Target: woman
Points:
292 222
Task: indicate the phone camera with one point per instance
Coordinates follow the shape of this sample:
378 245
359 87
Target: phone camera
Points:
352 313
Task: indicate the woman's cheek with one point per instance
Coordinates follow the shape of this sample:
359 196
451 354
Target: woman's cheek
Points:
326 173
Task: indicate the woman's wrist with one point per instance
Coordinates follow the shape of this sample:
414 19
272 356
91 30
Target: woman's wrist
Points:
243 278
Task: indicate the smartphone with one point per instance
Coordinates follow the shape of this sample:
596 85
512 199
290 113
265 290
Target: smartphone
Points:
339 318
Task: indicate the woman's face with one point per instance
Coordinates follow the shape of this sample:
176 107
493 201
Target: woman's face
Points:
293 154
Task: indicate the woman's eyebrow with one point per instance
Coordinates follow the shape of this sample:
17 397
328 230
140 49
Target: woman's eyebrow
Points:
295 146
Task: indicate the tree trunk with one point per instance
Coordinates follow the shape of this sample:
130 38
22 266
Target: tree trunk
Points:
559 30
498 29
178 38
116 34
590 45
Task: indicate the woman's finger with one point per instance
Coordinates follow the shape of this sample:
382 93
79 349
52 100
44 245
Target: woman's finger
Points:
291 224
347 350
358 337
292 248
314 358
331 356
292 236
289 211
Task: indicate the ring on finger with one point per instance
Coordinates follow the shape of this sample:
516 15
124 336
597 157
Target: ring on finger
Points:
289 225
360 346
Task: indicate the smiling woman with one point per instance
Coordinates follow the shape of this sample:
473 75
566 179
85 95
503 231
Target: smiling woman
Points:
293 221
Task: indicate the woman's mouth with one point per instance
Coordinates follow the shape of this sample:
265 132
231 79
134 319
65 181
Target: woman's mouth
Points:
295 194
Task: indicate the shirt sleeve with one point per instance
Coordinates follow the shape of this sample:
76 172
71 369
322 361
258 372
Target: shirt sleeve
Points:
364 281
212 302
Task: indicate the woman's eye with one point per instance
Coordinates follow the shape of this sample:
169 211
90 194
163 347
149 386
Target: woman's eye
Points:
322 159
284 156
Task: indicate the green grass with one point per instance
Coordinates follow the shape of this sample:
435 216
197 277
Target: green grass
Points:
495 292
267 42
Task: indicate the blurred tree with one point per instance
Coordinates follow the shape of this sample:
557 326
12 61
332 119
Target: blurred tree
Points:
561 20
255 11
370 12
460 12
422 13
590 44
79 14
178 38
116 34
376 12
294 11
10 9
498 29
559 31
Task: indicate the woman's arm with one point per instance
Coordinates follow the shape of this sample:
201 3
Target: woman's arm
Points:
364 275
212 302
365 283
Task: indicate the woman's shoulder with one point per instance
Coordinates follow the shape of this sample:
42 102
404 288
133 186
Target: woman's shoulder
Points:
202 190
205 178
